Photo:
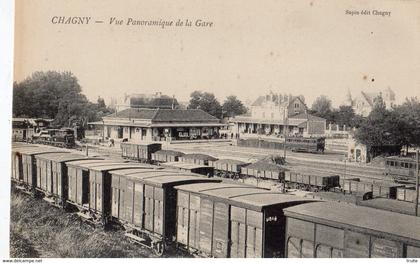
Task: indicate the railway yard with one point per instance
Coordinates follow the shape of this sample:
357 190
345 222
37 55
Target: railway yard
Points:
208 200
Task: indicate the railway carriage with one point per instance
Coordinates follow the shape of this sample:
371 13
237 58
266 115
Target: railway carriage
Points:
378 188
264 170
89 187
52 175
191 168
227 220
330 229
401 169
301 144
314 182
141 152
228 167
145 203
163 156
25 166
197 158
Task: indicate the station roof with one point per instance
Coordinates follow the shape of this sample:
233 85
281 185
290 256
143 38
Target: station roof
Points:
351 216
182 165
245 196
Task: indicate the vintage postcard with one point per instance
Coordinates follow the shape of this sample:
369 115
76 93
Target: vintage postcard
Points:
215 129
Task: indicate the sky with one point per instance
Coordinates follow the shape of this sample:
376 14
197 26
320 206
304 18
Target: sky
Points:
308 47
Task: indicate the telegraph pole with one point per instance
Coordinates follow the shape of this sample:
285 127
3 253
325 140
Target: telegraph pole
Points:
285 133
416 172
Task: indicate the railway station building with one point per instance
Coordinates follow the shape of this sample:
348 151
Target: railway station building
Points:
145 124
272 114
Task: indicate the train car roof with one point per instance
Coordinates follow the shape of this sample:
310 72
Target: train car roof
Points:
199 156
15 145
170 152
400 158
136 170
245 196
140 143
229 161
115 166
88 163
39 150
66 157
185 165
392 205
351 216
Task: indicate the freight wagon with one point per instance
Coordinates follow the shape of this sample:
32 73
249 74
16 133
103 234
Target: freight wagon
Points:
52 175
228 220
145 203
378 189
264 170
191 168
311 182
89 188
139 152
336 230
407 193
163 156
24 166
197 158
227 167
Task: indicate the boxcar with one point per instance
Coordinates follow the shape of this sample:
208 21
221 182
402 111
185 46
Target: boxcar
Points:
17 168
197 158
228 220
227 167
52 175
330 229
378 188
264 170
407 193
89 184
145 203
190 167
25 166
311 181
139 151
164 156
401 169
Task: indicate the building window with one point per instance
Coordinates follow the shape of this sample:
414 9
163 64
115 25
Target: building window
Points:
296 105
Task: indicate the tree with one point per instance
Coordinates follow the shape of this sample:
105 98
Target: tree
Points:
206 102
55 95
233 106
345 116
406 122
322 107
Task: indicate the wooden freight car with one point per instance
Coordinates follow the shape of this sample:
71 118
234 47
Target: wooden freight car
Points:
25 166
89 188
141 152
229 220
17 168
52 175
313 182
264 170
227 167
191 168
407 193
197 158
145 203
330 229
378 188
164 156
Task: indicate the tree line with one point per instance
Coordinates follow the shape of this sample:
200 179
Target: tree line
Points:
58 96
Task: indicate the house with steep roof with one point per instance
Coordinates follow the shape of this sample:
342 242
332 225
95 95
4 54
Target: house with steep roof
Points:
364 102
157 124
274 114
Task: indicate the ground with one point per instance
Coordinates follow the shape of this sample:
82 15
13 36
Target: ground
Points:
39 230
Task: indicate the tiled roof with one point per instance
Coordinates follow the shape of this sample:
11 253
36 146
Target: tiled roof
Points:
304 116
165 115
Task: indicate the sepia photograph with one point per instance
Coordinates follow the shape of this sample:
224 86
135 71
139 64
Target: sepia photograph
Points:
213 129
